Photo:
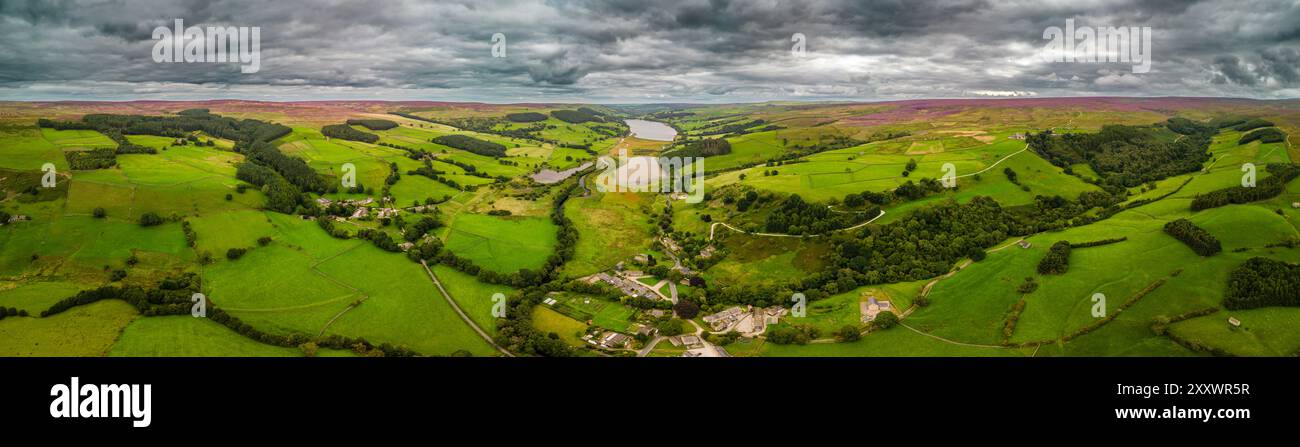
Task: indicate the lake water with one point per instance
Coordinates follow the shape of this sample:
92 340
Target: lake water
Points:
651 130
549 176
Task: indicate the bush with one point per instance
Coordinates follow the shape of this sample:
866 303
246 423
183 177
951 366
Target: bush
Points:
235 253
150 219
99 213
848 333
264 240
885 320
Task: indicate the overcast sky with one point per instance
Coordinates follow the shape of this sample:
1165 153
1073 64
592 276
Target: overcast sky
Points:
646 50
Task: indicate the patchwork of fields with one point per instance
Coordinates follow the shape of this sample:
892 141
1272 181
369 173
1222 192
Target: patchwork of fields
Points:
344 264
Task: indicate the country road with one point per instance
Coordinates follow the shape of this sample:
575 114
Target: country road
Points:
462 314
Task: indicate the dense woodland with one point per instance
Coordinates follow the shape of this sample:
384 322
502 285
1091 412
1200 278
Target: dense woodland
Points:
1268 135
1261 282
372 123
471 144
526 117
703 148
795 216
1128 156
576 116
347 132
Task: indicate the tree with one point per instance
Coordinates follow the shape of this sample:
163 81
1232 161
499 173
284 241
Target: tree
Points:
671 327
885 320
99 212
686 309
150 219
848 333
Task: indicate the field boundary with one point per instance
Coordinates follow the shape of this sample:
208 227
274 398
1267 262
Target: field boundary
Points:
459 311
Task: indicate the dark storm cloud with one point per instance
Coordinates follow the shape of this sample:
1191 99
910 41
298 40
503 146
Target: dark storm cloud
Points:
646 50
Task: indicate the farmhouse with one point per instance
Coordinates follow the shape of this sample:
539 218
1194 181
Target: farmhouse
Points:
1023 243
707 252
629 287
872 307
647 330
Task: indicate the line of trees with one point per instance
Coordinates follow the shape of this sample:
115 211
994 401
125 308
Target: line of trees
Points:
1200 241
1057 260
1099 242
1267 188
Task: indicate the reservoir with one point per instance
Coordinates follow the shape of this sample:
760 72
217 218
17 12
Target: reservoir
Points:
651 130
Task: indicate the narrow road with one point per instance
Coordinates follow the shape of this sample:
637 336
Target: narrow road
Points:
650 346
463 316
936 337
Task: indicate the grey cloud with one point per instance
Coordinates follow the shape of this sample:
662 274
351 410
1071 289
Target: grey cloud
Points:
628 50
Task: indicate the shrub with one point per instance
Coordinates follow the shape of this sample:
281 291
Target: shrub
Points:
99 212
150 219
885 320
235 253
848 333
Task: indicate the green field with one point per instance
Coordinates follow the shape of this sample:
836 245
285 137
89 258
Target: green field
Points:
505 244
